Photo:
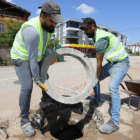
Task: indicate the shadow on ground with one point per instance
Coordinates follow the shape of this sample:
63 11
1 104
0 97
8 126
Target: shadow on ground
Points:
134 100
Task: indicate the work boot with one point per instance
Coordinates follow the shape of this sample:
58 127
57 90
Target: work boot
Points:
92 102
27 128
108 127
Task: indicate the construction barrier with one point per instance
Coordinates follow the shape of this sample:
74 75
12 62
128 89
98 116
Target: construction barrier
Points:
82 48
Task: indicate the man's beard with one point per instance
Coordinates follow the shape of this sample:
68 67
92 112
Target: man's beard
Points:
91 34
47 28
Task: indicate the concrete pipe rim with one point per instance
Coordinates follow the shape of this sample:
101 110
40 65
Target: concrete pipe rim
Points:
89 70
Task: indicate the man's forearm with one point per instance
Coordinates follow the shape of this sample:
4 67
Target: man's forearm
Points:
99 65
99 72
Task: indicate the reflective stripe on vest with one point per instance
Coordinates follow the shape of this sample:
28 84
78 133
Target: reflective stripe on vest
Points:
23 45
39 53
18 39
120 55
18 53
112 50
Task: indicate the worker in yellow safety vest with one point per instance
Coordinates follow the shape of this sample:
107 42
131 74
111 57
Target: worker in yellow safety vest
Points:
107 46
28 51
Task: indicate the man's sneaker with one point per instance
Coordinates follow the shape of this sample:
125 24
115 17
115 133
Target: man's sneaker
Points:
108 127
27 129
92 102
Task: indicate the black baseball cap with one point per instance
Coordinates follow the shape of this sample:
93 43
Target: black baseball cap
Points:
53 9
87 23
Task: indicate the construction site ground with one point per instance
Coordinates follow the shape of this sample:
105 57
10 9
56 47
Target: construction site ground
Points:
69 74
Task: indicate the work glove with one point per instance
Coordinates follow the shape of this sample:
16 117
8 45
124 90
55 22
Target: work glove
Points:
42 86
89 54
54 61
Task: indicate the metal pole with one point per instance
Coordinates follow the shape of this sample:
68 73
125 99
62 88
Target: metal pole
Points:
103 100
67 89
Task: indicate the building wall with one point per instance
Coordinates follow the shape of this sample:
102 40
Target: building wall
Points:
121 38
82 39
124 41
61 34
5 52
15 21
134 48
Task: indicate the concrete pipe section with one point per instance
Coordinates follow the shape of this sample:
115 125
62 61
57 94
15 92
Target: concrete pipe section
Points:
89 70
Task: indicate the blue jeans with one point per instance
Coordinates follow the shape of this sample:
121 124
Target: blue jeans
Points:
116 72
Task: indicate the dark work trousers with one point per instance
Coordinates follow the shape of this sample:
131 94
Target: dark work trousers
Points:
24 74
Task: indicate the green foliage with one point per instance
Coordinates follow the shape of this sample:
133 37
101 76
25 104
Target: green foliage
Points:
51 44
7 38
4 62
129 51
135 54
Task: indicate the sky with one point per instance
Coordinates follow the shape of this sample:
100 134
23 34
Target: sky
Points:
122 16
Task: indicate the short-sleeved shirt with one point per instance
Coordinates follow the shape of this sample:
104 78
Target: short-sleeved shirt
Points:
102 44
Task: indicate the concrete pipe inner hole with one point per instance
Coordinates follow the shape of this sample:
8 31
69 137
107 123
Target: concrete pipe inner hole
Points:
67 78
65 131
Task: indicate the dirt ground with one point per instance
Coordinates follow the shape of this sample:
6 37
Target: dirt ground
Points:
69 74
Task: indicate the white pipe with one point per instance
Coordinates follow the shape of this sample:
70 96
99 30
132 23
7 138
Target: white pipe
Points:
103 100
67 89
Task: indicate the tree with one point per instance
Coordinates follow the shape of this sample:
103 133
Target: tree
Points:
7 38
51 44
129 51
137 53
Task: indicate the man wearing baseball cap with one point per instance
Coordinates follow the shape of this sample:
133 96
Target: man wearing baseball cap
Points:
109 47
28 51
